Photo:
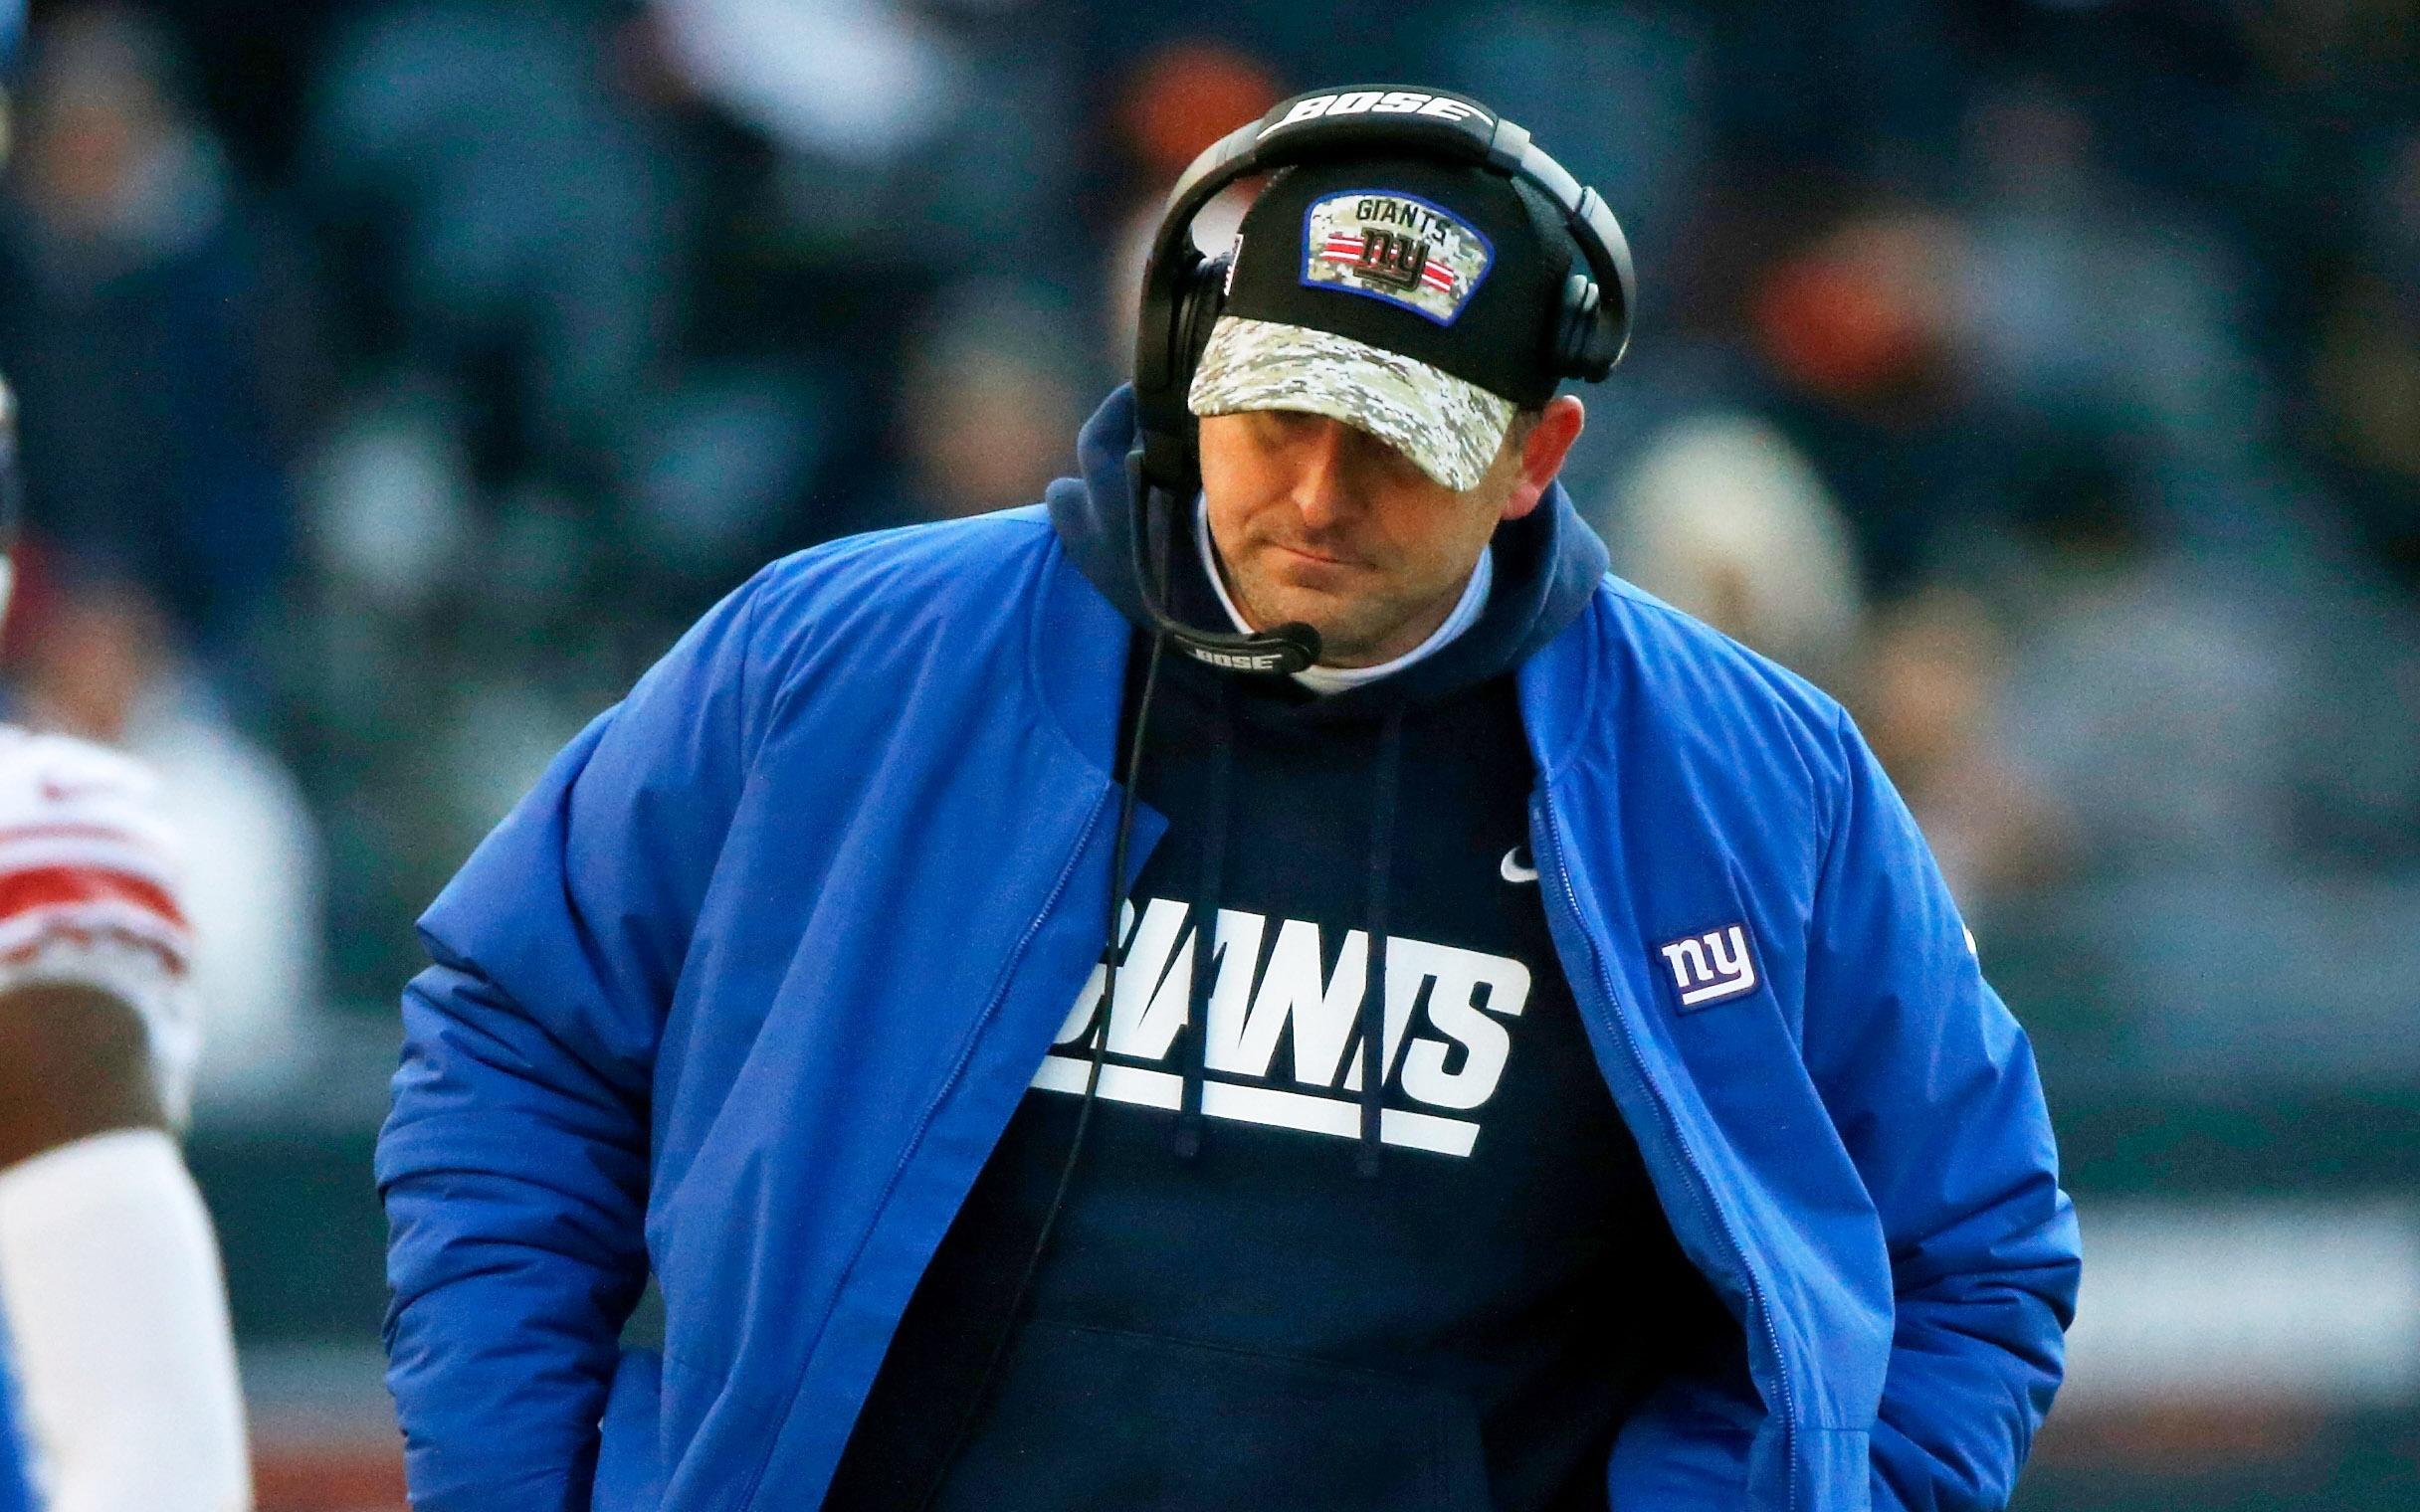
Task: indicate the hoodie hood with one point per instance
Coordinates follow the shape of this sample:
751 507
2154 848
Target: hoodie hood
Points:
1546 565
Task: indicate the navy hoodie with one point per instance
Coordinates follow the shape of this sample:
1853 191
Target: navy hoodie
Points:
1338 1239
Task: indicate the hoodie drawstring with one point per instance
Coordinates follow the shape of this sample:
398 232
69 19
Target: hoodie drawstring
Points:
1374 989
1188 1136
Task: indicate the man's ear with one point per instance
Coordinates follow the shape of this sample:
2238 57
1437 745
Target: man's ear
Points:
1543 451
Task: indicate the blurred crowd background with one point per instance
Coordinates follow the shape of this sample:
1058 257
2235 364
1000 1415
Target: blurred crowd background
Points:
2042 376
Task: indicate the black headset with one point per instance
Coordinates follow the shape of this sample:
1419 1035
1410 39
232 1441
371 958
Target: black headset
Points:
1183 292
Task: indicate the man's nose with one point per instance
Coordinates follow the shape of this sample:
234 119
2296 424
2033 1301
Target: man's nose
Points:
1321 473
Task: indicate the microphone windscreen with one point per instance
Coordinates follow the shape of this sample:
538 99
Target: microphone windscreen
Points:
1303 638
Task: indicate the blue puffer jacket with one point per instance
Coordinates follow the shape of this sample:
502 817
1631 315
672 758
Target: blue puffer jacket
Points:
747 989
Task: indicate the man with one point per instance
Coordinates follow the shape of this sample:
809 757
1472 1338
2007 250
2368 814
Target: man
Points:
1534 1064
117 1384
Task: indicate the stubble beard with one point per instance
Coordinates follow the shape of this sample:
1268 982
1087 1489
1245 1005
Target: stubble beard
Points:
1365 630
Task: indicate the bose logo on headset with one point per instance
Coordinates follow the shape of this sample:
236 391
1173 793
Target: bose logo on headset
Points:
1240 661
1380 102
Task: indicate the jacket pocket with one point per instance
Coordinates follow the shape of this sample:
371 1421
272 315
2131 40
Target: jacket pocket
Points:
1097 1418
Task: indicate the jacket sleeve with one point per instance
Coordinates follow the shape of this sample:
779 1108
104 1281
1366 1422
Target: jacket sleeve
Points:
1934 1089
513 1162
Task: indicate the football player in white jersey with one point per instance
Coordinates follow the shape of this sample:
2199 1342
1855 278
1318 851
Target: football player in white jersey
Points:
121 1391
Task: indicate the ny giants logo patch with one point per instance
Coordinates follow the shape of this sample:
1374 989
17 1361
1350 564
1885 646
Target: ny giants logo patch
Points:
1398 247
1711 968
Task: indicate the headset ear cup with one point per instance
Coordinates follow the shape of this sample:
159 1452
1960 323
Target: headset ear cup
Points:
1198 306
1581 346
1605 343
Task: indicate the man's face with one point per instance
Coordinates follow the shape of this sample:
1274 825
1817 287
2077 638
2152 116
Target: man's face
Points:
1320 522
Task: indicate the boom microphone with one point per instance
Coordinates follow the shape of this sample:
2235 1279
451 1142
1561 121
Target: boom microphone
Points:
1280 651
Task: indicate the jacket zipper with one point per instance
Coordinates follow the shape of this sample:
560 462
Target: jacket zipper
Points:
957 1070
1707 1210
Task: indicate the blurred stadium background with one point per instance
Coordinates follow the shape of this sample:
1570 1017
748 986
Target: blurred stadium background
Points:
2043 376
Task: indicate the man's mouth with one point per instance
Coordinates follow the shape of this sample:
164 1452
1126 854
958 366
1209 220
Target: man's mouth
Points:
1304 553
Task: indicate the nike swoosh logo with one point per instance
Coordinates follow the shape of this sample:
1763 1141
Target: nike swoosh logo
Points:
1513 871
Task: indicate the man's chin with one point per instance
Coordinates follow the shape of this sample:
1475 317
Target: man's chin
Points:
1344 639
1319 611
1343 631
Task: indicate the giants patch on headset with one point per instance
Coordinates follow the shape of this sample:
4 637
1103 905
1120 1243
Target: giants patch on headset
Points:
1398 247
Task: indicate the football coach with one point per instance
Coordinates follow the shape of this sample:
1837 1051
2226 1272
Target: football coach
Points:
1267 981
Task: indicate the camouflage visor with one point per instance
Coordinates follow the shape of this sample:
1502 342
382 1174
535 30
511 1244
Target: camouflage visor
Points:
1449 427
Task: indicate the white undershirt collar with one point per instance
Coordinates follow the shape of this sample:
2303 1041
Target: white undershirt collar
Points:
1335 679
